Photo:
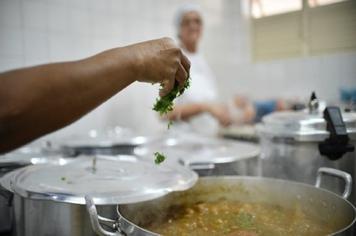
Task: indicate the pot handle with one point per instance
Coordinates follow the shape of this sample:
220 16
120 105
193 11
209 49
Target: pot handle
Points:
201 166
96 220
197 165
7 195
337 173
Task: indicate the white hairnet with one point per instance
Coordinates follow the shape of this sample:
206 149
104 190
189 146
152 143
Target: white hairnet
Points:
184 9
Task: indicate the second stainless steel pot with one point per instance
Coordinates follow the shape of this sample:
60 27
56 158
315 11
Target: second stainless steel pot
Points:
113 141
295 144
206 155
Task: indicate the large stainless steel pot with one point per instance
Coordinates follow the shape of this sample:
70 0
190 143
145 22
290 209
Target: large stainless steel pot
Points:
314 201
115 141
38 152
49 200
295 144
206 155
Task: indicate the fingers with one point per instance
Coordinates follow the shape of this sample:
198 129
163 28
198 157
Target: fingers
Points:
181 72
167 86
185 62
181 75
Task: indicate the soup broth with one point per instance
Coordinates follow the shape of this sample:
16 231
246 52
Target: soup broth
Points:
233 218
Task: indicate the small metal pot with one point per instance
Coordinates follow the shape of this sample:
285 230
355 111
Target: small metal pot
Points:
206 155
314 201
115 141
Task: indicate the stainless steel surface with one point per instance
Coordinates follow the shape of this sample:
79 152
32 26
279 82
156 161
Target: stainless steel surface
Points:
113 141
96 220
239 132
6 216
315 202
290 148
301 126
116 179
339 174
300 161
43 205
38 152
39 217
206 155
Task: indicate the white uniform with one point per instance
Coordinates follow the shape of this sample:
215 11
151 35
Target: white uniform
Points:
202 89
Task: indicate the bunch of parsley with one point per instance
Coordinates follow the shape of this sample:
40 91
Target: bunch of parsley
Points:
164 105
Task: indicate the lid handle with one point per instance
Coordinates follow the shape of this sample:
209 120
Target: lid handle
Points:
313 104
337 144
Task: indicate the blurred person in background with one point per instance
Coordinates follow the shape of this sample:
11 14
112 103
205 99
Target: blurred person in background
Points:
243 110
198 104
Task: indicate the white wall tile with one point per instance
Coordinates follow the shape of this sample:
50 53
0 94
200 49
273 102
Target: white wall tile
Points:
10 63
11 42
79 21
36 45
58 17
36 31
101 6
10 13
81 4
35 14
60 47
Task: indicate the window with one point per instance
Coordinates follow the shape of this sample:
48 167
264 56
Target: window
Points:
261 8
315 3
311 28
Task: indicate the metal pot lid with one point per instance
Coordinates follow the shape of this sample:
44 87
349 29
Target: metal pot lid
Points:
15 167
105 138
5 180
37 152
107 179
17 159
302 126
197 149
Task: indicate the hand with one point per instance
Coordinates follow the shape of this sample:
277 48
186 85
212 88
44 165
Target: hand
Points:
221 113
160 61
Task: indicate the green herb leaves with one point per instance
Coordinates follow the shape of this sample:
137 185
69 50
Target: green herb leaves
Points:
159 158
165 104
245 220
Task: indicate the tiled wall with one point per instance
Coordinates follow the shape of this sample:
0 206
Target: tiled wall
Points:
39 31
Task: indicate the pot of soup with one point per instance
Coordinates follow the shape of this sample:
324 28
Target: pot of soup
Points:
238 206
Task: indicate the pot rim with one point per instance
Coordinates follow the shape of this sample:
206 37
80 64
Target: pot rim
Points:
122 218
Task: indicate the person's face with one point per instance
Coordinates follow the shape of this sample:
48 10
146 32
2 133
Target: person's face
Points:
191 28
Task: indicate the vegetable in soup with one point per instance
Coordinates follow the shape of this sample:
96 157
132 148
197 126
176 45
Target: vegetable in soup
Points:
238 219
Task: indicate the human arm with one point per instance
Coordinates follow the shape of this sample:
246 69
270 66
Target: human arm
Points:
38 100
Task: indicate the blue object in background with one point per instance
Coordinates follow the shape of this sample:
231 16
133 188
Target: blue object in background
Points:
263 108
348 95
